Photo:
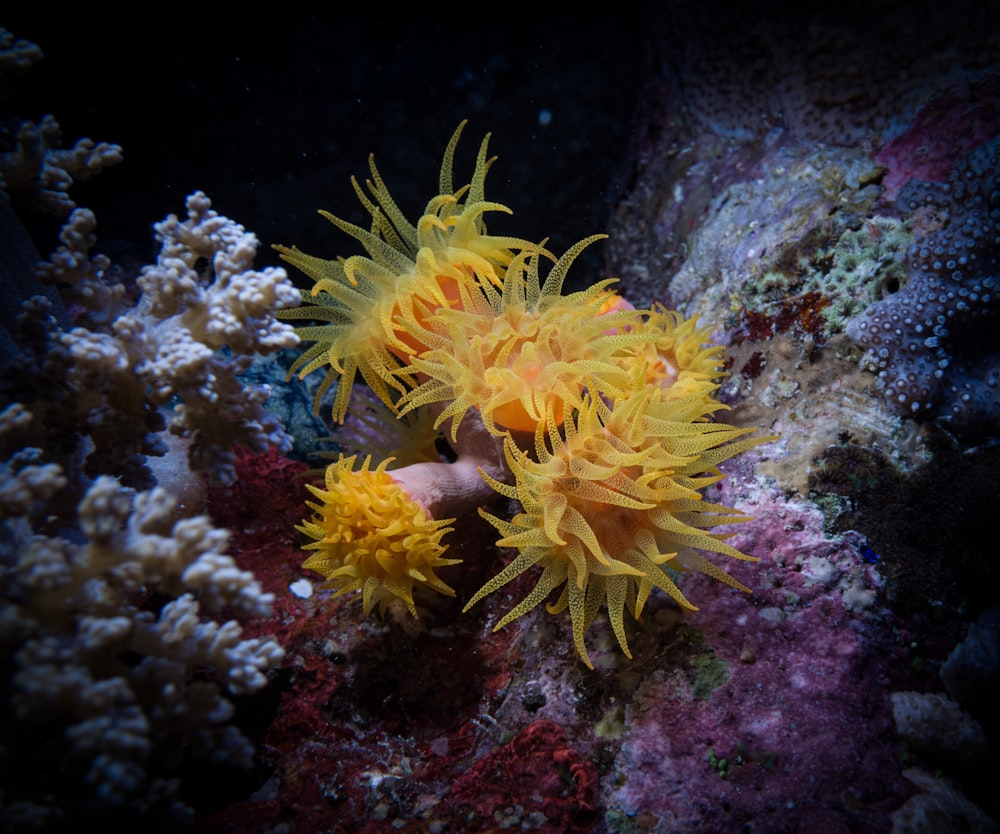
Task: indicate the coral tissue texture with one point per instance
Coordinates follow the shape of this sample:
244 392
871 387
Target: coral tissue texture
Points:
121 607
933 342
104 686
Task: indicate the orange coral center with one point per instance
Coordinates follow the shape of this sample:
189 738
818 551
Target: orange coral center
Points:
662 371
421 313
525 376
515 417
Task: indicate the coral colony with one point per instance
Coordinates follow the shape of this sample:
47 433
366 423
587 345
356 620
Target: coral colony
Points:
596 417
115 594
104 590
151 575
930 343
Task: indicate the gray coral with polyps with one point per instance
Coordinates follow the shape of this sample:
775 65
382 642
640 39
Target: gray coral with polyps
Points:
933 343
116 676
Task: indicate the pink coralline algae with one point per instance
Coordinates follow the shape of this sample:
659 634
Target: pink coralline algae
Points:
945 130
745 712
744 715
784 739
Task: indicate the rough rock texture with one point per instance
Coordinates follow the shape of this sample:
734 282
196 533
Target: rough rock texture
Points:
830 206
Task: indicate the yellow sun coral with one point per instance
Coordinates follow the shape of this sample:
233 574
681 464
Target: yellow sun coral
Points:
371 536
514 353
678 354
598 418
409 272
611 500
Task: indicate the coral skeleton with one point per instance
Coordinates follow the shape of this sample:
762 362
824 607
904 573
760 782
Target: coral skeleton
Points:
595 417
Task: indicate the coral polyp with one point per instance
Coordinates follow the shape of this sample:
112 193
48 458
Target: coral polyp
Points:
677 353
371 536
409 272
512 354
611 501
596 417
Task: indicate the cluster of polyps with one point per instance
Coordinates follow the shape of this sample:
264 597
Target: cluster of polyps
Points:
593 415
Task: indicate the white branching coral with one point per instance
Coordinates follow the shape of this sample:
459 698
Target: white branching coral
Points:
173 361
38 172
186 637
237 308
112 659
24 478
16 55
205 312
120 639
80 276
